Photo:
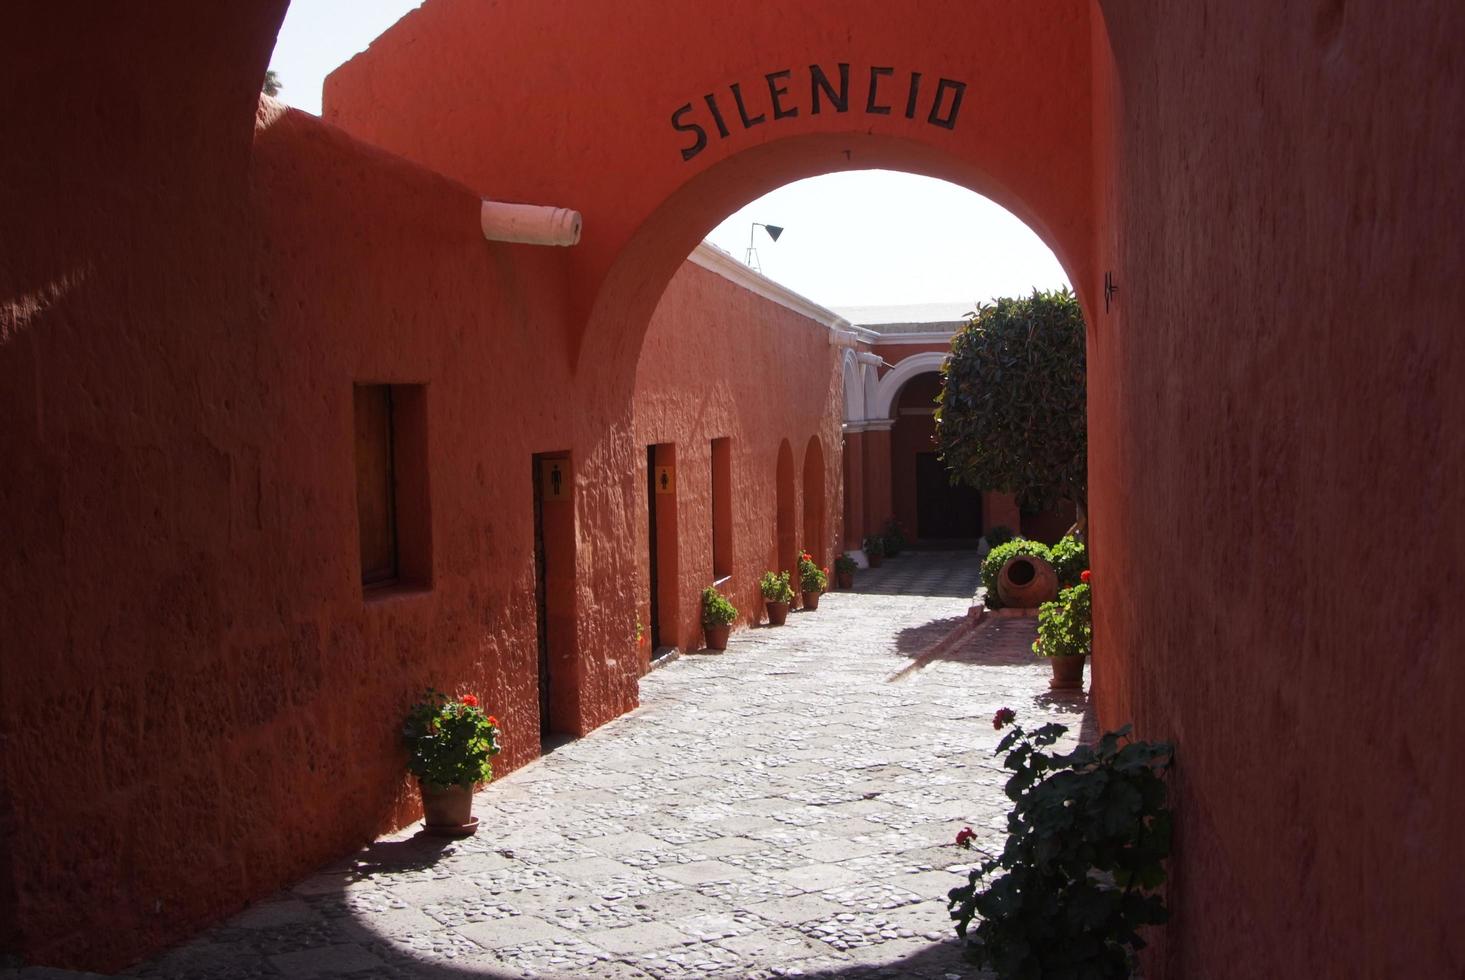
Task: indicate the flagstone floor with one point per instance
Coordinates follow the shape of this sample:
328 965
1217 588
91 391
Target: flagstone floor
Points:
784 809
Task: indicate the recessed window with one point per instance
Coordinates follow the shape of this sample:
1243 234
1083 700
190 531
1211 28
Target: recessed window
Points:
392 486
722 557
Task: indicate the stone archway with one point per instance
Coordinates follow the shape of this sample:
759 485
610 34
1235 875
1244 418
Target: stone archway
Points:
814 502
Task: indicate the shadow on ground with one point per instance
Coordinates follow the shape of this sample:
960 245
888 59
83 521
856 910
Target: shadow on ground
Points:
927 573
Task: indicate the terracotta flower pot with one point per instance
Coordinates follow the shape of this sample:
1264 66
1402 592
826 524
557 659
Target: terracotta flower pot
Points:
1026 582
717 636
875 560
777 612
846 580
811 601
448 810
1067 673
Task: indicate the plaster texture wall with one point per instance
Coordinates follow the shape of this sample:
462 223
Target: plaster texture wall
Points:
1283 355
720 362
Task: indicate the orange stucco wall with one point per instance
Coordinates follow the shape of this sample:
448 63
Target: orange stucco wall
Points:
185 299
701 377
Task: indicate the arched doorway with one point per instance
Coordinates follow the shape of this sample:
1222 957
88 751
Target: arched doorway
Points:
786 543
922 495
814 501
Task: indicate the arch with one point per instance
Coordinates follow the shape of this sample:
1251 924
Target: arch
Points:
814 536
786 532
854 389
896 379
1019 137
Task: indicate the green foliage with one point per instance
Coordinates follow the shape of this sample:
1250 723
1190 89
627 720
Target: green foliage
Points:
874 546
775 587
272 83
997 557
1010 415
450 742
1070 559
1066 625
844 564
1000 535
1087 838
811 577
894 537
716 609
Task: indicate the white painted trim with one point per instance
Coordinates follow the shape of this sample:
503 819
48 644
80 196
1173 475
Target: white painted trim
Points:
878 425
899 339
925 362
866 357
716 261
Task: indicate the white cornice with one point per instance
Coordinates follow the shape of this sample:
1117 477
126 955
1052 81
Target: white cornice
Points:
896 339
717 261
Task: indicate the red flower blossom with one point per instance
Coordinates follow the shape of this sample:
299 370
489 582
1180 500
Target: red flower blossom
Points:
493 721
964 837
470 700
1083 576
826 569
1003 718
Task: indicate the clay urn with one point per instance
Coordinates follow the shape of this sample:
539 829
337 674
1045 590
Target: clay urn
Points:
1026 582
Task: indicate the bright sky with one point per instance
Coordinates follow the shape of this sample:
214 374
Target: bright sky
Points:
865 238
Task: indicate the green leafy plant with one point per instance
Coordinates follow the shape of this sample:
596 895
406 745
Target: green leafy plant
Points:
716 609
811 577
1087 839
895 537
450 742
844 564
1070 558
874 546
775 587
997 557
1066 625
1000 535
1010 415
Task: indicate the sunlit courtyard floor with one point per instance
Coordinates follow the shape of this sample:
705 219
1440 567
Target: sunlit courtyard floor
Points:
784 809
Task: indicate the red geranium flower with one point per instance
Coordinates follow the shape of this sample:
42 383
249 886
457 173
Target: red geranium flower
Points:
826 569
493 721
1083 576
964 837
470 700
1003 718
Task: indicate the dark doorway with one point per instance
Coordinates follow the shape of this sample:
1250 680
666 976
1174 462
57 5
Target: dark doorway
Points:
541 611
944 512
655 625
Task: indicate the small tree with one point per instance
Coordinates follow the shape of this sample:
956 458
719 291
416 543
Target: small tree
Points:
272 84
1010 415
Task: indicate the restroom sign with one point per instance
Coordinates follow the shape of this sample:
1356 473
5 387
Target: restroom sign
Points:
666 479
554 479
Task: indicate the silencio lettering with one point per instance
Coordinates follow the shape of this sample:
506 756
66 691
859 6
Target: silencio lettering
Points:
784 94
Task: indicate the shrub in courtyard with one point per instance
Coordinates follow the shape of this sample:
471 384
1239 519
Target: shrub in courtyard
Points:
1066 625
450 742
775 587
844 564
1070 558
874 546
992 564
716 609
1087 838
999 535
1011 413
811 577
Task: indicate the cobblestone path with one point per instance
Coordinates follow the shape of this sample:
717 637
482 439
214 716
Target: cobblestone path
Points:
784 809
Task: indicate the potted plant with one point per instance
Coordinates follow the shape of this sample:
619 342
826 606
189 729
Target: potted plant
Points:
777 594
894 537
874 549
1066 635
812 581
717 618
450 743
844 570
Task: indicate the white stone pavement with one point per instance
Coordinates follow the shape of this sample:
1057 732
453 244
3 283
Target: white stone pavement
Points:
784 809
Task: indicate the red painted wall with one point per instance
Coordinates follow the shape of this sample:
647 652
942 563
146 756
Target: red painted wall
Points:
700 379
1284 355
